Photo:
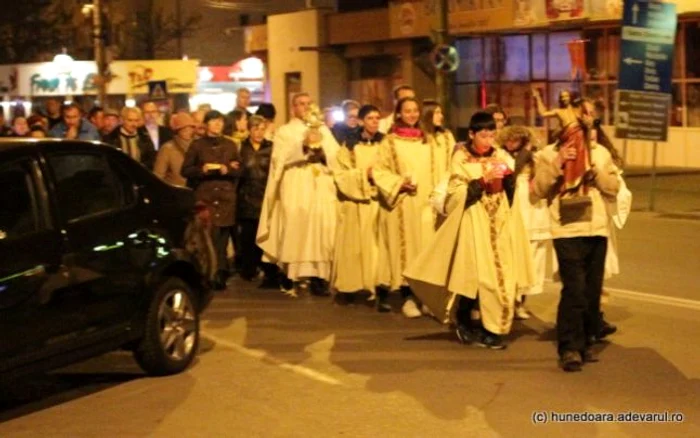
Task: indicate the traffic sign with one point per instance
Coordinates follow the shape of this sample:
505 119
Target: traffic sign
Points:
445 59
646 64
158 89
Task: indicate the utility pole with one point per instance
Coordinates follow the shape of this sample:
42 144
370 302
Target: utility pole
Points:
443 81
178 19
99 46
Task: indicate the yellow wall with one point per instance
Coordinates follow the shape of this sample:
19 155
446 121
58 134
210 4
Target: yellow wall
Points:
286 34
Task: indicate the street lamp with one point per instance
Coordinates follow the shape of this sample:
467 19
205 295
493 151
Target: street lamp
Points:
95 8
63 63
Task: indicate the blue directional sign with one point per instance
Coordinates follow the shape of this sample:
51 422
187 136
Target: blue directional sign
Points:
646 65
648 36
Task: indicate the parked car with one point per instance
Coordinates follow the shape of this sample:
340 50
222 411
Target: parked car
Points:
92 259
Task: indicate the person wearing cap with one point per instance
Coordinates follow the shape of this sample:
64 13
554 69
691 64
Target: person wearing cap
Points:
171 156
110 121
212 168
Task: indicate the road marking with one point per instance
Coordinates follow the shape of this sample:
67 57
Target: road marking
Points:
648 298
264 357
655 299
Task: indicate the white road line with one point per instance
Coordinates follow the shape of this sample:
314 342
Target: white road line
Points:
648 298
655 299
264 357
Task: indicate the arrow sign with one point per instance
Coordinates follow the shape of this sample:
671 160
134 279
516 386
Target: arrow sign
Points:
632 61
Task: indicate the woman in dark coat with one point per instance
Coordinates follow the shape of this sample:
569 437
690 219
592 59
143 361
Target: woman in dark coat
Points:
212 167
256 156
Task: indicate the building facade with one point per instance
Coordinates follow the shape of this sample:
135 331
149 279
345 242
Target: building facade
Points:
506 48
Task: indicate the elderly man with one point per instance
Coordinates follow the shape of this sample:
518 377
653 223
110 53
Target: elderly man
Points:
297 222
73 126
151 117
129 139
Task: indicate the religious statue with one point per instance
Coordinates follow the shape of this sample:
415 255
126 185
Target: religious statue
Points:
573 134
313 150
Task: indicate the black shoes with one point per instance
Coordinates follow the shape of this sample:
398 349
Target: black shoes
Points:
383 305
269 283
490 340
589 356
480 337
219 282
606 328
465 334
571 361
318 287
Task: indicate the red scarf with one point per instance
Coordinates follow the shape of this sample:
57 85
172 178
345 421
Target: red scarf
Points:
407 132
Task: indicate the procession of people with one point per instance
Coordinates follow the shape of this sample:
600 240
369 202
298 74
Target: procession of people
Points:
459 228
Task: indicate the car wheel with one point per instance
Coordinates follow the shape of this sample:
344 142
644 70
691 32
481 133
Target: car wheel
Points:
171 336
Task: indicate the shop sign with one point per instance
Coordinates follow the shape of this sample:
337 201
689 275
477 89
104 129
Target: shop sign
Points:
132 77
8 79
480 15
50 79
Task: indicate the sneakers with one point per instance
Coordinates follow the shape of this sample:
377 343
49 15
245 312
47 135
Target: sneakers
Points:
465 334
521 313
410 309
571 361
490 340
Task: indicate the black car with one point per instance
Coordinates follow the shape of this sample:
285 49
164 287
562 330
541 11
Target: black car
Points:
92 259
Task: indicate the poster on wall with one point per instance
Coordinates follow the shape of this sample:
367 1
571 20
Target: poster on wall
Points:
529 13
605 9
565 9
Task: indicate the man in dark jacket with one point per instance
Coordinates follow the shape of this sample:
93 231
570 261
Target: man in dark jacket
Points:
130 140
151 116
212 167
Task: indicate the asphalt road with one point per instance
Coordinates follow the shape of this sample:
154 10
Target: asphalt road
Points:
273 366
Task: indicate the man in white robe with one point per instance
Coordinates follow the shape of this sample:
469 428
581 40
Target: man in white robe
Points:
298 218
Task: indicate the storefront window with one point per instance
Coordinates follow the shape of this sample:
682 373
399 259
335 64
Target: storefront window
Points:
516 101
692 49
539 56
559 58
678 54
693 95
491 58
612 91
595 55
515 58
676 106
469 101
613 52
470 60
596 93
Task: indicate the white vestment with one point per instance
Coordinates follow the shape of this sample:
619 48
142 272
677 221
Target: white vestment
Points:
298 218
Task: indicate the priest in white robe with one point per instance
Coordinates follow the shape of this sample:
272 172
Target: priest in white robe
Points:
298 219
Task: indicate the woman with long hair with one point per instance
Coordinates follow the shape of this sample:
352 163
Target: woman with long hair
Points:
239 127
405 179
